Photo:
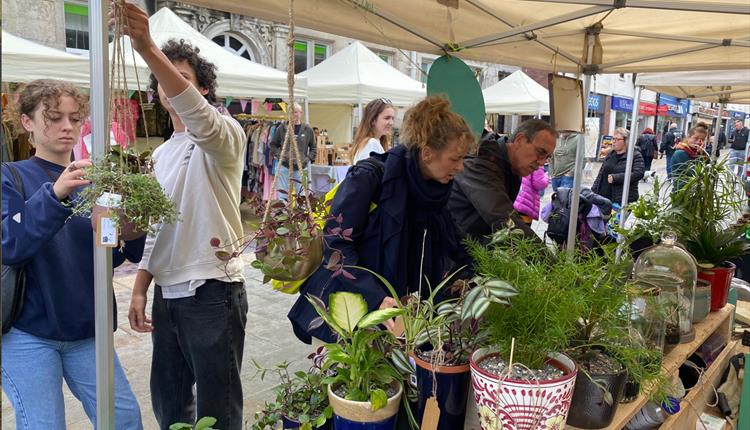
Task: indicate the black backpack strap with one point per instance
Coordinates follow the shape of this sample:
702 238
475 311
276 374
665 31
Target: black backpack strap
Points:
16 178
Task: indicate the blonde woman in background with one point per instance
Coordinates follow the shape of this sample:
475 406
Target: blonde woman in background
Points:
374 130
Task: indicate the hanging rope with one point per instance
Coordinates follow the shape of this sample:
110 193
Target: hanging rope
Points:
291 137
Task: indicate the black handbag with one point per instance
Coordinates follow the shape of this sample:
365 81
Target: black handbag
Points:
13 278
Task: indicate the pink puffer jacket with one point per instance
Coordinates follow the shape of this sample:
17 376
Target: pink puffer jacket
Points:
528 198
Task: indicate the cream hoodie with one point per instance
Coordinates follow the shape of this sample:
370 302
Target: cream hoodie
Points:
201 171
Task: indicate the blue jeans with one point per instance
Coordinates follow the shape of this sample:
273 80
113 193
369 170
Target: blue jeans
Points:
198 342
736 157
33 373
282 183
562 181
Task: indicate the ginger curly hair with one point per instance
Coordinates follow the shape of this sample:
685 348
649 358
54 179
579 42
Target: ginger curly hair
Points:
46 92
432 123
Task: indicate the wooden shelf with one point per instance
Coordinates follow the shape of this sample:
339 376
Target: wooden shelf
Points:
716 322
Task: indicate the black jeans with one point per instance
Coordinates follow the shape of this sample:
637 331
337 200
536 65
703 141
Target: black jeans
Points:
198 341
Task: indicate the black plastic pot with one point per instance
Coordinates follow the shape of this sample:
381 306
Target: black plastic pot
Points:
452 392
588 409
631 391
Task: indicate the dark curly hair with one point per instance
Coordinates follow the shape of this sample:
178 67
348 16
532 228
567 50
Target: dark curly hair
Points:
205 71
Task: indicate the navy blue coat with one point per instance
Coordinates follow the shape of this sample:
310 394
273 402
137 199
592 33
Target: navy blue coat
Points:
387 240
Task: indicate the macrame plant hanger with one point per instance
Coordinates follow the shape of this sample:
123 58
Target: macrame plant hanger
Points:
289 148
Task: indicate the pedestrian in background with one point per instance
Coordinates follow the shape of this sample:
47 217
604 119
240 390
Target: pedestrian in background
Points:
563 160
528 201
374 131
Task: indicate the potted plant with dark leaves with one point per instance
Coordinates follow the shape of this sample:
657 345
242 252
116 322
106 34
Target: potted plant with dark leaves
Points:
364 389
205 423
439 337
523 381
301 398
124 187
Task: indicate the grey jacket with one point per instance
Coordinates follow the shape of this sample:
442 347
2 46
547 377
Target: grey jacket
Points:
483 194
563 159
305 143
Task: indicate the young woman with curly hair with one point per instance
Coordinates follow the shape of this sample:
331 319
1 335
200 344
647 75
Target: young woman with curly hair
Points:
52 338
410 185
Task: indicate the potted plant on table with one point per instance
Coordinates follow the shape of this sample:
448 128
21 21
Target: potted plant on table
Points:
364 389
301 398
439 337
703 209
124 181
524 381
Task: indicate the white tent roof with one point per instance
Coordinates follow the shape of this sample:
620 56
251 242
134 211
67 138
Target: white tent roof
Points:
355 74
237 76
727 86
25 61
517 94
634 35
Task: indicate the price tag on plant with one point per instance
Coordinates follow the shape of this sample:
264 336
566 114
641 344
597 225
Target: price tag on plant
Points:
106 230
431 415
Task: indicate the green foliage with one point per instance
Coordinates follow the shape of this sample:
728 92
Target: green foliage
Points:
204 423
358 360
300 396
543 316
129 175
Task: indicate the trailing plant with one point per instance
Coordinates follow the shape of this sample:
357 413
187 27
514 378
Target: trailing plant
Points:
358 360
300 396
130 175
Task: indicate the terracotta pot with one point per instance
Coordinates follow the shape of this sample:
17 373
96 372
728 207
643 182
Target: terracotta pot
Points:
351 415
452 391
720 279
522 405
127 229
301 269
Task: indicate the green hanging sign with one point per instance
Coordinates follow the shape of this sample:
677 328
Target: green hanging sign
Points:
228 101
452 78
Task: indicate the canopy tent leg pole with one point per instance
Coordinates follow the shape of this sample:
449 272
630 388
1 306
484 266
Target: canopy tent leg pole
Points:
715 146
629 165
104 345
578 177
307 111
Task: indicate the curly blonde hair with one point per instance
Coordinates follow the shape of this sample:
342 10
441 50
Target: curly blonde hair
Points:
48 92
432 123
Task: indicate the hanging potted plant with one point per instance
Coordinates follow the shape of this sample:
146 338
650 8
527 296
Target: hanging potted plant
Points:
301 398
522 381
364 389
439 337
123 185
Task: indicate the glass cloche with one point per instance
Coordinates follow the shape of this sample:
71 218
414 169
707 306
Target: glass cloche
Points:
674 271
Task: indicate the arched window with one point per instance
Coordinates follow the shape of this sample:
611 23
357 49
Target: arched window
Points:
234 45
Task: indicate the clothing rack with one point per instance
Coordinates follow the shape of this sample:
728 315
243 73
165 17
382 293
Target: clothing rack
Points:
247 116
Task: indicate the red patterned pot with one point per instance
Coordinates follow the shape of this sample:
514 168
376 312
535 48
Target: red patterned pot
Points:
522 405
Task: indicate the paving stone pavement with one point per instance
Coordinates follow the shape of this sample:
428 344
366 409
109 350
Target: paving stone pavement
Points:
269 339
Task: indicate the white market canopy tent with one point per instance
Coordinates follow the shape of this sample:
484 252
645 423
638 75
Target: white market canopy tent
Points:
25 61
236 76
631 36
517 94
356 75
725 86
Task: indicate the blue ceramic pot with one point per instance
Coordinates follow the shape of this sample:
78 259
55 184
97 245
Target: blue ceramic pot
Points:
341 423
453 384
291 424
351 415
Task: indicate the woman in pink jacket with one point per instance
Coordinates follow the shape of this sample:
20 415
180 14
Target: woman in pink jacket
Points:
527 202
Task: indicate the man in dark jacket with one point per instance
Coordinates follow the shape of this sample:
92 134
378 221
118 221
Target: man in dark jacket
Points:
483 194
738 144
306 146
668 143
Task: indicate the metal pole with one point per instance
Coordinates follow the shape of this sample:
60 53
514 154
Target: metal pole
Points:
629 163
307 112
98 60
578 172
715 146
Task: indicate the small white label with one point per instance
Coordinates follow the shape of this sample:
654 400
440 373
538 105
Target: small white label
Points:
109 200
107 232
